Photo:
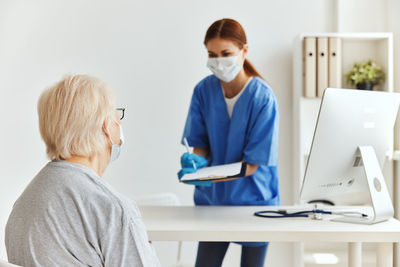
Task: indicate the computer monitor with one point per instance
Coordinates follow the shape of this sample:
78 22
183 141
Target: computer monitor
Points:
351 125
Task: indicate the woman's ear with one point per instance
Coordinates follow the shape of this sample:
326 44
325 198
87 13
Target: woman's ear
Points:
104 128
245 50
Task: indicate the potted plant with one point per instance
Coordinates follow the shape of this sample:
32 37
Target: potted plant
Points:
365 75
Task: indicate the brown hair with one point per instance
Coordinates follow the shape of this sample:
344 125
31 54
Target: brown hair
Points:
232 30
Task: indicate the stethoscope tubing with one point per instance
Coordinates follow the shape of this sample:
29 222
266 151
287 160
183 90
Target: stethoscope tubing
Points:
285 214
302 214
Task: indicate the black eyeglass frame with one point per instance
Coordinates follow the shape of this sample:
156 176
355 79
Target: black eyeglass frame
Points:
123 112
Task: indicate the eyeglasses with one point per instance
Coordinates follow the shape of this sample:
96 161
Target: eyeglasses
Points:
121 113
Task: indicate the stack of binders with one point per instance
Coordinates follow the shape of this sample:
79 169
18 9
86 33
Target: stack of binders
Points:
322 65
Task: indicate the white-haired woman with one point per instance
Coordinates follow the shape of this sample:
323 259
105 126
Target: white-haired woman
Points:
68 215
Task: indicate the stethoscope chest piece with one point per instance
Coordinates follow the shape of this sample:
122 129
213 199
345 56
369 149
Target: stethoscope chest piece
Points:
316 216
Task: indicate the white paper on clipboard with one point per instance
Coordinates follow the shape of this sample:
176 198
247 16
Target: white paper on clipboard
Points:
215 172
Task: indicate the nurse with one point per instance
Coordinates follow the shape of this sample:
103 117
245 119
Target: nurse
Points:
233 117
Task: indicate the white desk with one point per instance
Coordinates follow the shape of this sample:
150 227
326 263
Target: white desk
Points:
237 223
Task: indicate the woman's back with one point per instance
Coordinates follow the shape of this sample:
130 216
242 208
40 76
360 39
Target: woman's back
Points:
68 216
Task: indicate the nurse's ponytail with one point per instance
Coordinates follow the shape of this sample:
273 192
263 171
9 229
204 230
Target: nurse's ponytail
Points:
250 70
232 30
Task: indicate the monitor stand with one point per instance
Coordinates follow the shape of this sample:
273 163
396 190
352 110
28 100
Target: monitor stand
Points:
380 198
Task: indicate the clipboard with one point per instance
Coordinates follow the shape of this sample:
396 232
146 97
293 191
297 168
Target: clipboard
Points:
217 173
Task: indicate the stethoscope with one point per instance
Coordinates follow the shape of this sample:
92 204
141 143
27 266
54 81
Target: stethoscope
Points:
315 214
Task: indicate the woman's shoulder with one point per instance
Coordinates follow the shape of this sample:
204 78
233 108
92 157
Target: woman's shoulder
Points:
260 85
261 90
82 183
207 83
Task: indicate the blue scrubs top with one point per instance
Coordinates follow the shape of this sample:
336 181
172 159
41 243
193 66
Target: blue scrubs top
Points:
251 134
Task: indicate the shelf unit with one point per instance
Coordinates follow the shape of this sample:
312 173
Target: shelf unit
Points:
356 47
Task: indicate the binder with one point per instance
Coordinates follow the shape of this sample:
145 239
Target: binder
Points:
310 66
322 65
335 62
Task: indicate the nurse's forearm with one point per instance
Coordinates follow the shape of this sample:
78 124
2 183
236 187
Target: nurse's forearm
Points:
201 151
251 169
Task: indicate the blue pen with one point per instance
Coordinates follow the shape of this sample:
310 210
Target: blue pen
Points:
188 151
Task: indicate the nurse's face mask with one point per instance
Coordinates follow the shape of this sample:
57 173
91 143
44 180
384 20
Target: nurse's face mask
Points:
225 68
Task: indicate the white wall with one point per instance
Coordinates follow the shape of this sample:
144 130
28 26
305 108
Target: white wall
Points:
151 53
362 15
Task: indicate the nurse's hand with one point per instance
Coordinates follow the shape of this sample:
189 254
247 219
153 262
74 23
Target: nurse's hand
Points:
183 171
200 183
187 161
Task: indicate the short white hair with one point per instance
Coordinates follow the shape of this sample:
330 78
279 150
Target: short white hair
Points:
71 116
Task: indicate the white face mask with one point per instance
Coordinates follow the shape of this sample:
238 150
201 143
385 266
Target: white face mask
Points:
225 68
116 149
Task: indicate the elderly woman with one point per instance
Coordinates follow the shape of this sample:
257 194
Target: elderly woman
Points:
68 215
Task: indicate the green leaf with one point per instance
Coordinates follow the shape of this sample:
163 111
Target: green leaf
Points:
365 72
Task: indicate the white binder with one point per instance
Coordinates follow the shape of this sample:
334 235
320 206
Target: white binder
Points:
310 66
335 62
322 66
